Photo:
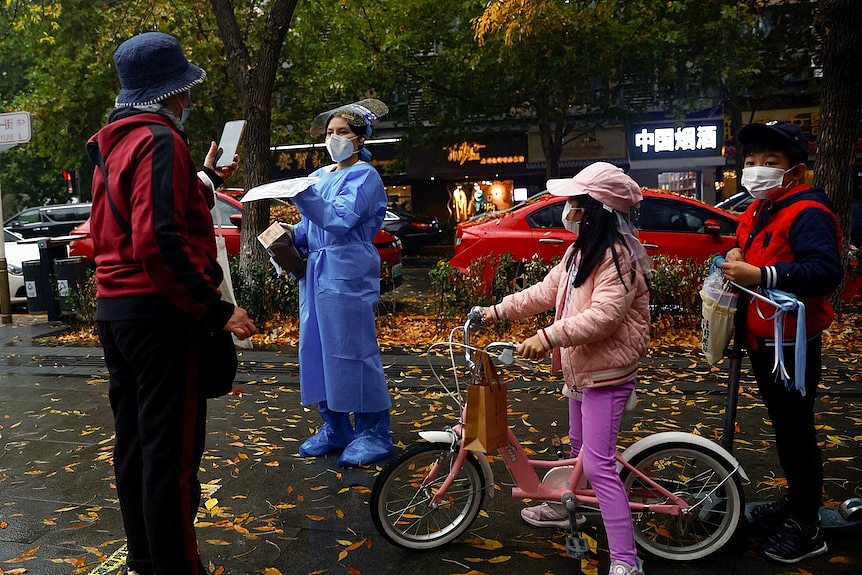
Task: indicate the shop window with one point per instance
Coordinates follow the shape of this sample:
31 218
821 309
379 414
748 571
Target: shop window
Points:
467 199
684 183
400 197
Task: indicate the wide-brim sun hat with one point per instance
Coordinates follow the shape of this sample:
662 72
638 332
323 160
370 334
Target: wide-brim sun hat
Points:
786 133
360 113
152 67
603 182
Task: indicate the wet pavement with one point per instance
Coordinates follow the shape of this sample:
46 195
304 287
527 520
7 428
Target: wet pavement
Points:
269 511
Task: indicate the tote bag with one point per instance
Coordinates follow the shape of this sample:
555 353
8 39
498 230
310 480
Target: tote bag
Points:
718 309
226 287
486 427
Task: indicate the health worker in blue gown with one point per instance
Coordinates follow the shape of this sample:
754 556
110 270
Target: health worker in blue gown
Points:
339 361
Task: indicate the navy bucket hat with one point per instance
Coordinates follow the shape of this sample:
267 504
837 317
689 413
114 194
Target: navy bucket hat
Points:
152 66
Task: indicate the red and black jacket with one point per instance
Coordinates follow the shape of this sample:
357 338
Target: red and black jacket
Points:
795 239
153 235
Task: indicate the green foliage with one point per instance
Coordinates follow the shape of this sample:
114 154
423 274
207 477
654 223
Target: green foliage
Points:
487 280
265 294
675 288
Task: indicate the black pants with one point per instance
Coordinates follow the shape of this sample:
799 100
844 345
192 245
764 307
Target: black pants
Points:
793 422
159 419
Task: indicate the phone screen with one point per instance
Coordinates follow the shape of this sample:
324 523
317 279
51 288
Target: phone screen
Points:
230 137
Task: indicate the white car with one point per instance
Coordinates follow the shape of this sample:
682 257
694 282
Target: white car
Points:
16 254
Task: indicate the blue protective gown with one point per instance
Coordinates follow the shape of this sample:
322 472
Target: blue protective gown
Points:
339 360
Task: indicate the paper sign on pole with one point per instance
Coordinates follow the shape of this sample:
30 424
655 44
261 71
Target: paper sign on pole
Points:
14 130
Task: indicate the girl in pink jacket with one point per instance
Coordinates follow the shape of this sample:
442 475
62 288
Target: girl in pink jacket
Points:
599 334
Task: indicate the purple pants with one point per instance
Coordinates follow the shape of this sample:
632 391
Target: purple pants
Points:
594 423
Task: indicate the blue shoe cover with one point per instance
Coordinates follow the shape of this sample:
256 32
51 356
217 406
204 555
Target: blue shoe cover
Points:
334 435
373 440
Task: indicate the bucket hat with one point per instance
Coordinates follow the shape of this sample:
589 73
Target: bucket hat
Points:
603 182
789 135
360 113
152 66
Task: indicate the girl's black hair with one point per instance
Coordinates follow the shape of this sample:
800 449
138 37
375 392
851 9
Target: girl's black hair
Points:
598 232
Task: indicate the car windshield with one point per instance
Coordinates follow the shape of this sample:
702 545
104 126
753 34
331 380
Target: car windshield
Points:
10 237
225 210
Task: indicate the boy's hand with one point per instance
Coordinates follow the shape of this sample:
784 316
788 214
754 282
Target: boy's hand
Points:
532 348
734 255
740 272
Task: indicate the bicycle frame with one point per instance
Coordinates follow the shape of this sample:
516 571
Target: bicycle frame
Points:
523 472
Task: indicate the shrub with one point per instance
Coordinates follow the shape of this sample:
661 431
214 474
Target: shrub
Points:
673 290
267 294
81 302
675 287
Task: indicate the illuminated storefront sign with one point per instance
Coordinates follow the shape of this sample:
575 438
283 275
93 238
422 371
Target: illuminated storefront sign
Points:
660 141
471 152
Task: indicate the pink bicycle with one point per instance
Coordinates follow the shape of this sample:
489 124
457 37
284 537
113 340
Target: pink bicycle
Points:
685 491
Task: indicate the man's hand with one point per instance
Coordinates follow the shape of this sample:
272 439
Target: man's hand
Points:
734 255
239 324
224 172
532 348
740 272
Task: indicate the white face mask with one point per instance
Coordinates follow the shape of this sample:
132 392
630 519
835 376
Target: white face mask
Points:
574 227
187 110
761 180
339 147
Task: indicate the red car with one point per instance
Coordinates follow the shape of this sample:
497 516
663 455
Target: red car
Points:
669 225
389 247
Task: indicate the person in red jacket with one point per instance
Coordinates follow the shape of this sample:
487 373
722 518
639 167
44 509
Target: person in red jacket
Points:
788 239
157 284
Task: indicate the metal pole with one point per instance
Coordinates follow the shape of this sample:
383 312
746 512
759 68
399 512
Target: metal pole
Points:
735 355
5 298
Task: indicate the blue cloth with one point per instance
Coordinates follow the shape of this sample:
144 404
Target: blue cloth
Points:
787 302
339 360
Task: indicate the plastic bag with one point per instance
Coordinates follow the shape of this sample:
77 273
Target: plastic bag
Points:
718 310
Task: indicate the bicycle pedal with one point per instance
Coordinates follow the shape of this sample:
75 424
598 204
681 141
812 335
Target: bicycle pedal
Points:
576 546
558 448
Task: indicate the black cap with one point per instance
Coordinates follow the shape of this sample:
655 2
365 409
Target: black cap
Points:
788 134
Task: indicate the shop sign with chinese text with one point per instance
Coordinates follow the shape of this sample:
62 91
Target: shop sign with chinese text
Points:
670 140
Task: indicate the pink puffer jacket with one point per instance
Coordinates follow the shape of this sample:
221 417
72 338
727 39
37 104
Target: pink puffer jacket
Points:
601 329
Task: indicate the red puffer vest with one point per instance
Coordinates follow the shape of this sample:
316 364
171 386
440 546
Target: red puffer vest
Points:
770 244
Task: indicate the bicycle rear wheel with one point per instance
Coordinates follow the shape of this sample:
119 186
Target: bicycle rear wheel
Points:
704 482
401 496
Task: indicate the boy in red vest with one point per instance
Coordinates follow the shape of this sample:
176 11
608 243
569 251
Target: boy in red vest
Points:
787 239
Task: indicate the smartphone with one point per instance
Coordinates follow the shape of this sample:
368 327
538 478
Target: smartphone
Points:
230 138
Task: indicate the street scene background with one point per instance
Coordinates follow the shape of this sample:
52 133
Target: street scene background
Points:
266 510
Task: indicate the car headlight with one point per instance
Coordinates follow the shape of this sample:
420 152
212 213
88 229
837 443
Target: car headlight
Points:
15 270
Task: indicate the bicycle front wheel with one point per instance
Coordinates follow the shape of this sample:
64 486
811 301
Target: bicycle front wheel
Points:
704 482
401 497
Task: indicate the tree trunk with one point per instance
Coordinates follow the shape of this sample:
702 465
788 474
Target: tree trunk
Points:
255 79
840 23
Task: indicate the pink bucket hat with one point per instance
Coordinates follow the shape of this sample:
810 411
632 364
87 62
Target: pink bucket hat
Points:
604 183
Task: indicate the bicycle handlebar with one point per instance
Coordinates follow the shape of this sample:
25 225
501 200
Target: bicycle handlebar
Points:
475 320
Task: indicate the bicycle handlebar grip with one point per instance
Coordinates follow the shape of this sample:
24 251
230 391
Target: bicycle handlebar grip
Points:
475 317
